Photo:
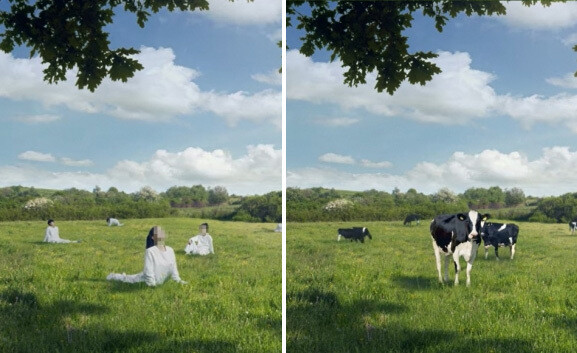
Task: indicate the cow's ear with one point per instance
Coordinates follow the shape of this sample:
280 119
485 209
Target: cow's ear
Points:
486 216
462 216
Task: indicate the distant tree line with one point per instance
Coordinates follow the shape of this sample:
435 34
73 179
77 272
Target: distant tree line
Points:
23 203
321 204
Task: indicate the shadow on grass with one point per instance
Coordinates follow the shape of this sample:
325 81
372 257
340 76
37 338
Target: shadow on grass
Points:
121 287
317 321
416 282
199 346
28 326
567 322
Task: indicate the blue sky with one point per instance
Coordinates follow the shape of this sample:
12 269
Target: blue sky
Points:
503 112
207 108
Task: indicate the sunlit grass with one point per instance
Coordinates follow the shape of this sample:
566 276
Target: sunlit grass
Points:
54 297
383 295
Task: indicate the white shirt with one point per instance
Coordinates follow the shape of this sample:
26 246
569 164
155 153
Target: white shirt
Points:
200 245
159 266
52 236
113 222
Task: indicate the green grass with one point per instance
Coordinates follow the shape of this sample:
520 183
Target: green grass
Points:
384 296
54 297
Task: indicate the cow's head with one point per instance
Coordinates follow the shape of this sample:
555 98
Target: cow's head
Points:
366 232
472 222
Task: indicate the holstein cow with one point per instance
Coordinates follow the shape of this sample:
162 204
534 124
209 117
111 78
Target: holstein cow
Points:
573 226
499 234
355 233
412 218
456 235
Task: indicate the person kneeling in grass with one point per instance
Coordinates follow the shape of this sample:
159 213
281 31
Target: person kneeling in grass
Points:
200 244
52 235
159 263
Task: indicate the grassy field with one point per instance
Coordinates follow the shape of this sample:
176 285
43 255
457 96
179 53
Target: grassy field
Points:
54 297
384 296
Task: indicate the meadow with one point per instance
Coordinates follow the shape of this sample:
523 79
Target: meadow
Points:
55 297
384 295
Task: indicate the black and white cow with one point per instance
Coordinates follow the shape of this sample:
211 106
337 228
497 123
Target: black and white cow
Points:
499 234
413 217
355 233
456 235
573 226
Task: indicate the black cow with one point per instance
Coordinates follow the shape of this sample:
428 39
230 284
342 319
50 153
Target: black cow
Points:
355 233
573 226
412 218
456 235
499 234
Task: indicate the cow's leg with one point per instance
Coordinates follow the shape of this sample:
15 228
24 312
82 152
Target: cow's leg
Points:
486 251
339 237
469 268
457 267
446 268
438 261
470 258
497 252
512 251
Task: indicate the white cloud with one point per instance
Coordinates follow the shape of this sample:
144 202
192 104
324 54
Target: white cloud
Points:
264 106
552 173
455 96
458 95
558 109
378 165
570 40
36 156
340 159
556 16
160 92
258 171
567 81
47 157
245 12
336 158
37 119
272 78
76 163
337 122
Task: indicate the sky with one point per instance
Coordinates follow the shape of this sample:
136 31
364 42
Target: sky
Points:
205 110
503 112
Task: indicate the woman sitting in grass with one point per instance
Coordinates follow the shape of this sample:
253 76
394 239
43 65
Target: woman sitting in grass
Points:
52 235
113 222
200 244
159 263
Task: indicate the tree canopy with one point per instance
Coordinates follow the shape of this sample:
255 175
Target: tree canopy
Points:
71 34
367 36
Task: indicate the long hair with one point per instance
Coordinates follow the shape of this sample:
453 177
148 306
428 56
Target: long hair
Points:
149 240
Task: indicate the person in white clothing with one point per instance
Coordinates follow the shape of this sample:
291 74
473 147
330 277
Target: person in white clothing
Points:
113 222
52 235
200 244
159 264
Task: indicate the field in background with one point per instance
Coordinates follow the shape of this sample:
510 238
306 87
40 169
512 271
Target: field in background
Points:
384 296
54 297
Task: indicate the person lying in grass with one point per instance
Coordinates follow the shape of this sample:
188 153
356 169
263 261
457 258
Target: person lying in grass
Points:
159 263
200 244
52 235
